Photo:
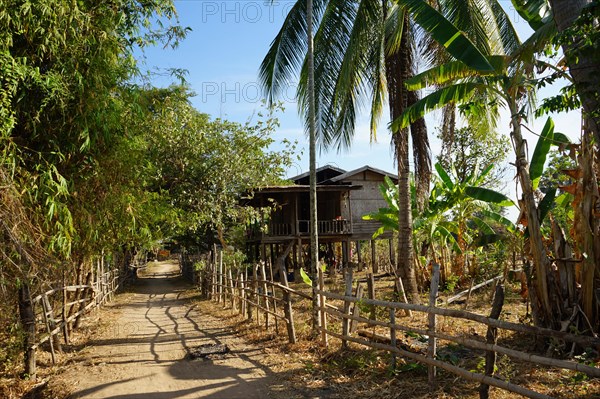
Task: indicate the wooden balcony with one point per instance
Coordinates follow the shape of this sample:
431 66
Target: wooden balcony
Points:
302 228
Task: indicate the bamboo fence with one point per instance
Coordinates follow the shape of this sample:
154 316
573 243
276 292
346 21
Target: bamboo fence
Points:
259 298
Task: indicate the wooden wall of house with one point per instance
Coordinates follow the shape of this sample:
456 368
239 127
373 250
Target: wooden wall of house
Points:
365 201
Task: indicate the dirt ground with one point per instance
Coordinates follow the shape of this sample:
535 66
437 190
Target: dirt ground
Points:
138 347
143 351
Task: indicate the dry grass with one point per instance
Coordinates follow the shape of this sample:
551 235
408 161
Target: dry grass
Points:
309 370
361 372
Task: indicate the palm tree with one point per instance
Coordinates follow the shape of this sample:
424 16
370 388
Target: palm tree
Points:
584 67
364 51
314 231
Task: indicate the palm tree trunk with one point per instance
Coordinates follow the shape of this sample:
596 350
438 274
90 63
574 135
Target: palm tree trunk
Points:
398 69
314 232
584 69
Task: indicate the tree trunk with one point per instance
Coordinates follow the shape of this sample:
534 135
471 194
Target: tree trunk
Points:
550 316
314 235
398 69
583 68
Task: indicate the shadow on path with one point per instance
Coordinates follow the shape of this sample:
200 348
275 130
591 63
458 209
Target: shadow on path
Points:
143 352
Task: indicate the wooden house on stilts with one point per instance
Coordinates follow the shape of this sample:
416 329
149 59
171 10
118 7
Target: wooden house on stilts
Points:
342 200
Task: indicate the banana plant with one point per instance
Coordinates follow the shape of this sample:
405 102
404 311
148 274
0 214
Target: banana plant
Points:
459 214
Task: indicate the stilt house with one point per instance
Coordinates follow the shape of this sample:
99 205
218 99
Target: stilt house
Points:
342 200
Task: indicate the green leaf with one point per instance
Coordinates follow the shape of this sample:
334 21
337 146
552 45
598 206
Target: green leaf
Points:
510 226
547 203
564 200
483 226
453 71
540 153
307 280
535 12
449 238
487 239
444 176
438 99
446 34
487 195
560 138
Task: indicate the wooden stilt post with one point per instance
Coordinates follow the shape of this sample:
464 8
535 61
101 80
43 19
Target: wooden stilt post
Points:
392 255
374 264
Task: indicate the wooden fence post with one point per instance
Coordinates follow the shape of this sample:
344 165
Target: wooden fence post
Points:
65 299
402 294
84 294
255 293
220 278
248 296
371 293
431 349
213 280
348 292
491 338
356 308
51 322
242 295
393 336
232 288
273 296
27 316
288 311
263 275
322 312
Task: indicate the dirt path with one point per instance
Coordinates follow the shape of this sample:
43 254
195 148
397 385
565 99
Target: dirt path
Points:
144 352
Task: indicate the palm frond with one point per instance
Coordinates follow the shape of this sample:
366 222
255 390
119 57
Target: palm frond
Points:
451 94
287 51
447 34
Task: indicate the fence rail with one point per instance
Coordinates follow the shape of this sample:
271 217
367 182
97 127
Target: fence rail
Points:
58 311
257 297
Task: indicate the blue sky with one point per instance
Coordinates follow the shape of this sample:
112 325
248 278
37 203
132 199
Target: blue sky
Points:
223 52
